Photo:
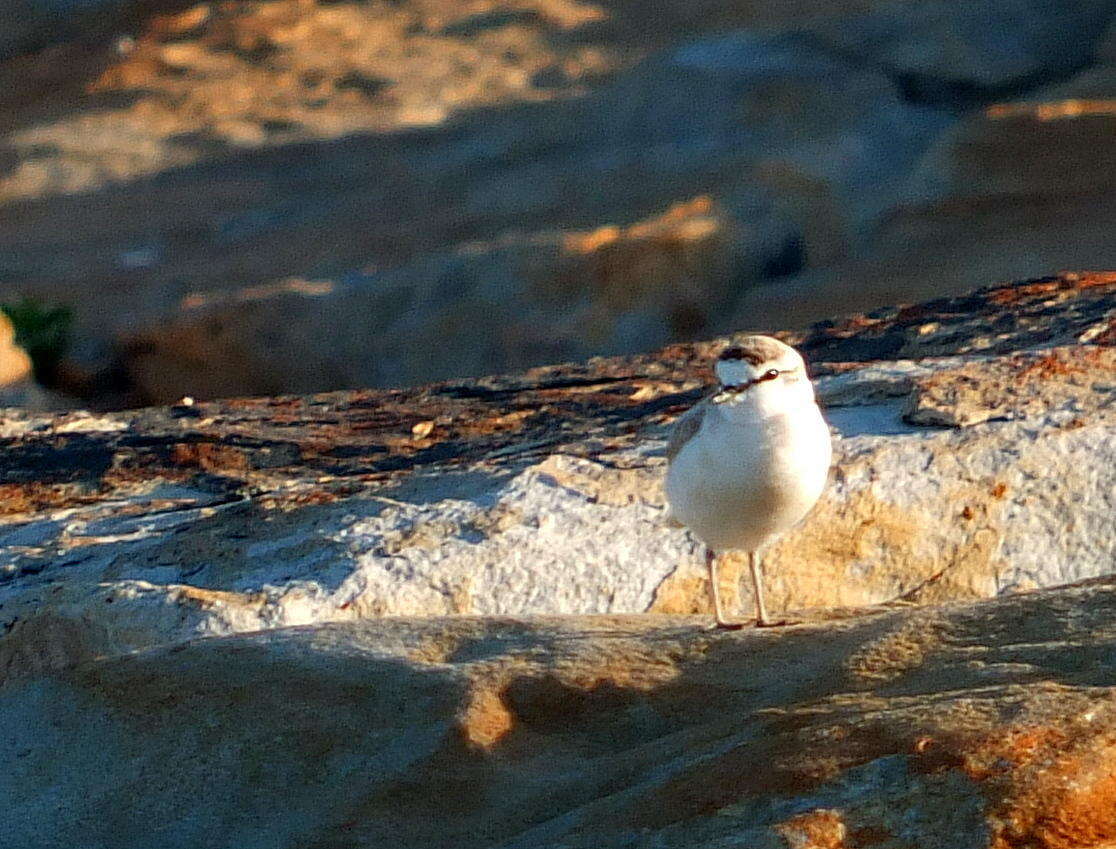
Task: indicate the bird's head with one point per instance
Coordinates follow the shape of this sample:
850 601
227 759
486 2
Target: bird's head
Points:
762 376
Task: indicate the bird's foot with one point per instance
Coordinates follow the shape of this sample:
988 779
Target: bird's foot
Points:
776 623
723 625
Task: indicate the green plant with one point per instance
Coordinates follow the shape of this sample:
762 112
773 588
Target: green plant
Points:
43 332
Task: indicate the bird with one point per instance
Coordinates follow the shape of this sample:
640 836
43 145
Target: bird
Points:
747 463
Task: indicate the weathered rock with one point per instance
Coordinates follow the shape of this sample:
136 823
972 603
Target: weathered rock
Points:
17 382
221 153
1017 188
981 725
503 306
1063 309
948 53
541 493
15 365
884 719
854 153
1025 386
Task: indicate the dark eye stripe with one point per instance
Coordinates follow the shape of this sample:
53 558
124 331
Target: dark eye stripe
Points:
770 374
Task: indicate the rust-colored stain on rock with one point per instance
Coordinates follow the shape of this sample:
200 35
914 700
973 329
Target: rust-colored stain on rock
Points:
486 719
819 829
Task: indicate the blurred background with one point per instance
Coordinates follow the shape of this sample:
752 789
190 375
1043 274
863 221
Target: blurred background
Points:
272 196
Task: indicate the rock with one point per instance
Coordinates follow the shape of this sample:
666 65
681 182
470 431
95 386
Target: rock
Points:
301 537
1070 307
192 171
978 725
1024 386
509 305
31 24
541 492
1015 189
272 169
17 382
15 365
947 54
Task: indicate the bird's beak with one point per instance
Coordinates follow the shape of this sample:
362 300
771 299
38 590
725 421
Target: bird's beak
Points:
728 392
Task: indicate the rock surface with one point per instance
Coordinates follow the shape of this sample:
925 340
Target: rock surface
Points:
1024 179
17 381
541 493
264 187
624 289
15 365
980 725
886 718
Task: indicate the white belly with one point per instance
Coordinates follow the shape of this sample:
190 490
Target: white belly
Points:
737 486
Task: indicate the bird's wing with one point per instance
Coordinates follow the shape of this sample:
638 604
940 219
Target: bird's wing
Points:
688 424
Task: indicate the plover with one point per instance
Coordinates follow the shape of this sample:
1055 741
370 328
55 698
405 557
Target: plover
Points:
749 462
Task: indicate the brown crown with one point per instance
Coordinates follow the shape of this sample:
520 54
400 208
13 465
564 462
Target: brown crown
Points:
756 350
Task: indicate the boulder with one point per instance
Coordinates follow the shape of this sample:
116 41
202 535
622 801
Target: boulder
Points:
1014 189
507 305
17 381
958 54
340 609
231 154
15 365
31 24
974 441
976 725
259 190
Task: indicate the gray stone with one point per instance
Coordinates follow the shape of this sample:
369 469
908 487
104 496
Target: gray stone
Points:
542 493
946 52
964 725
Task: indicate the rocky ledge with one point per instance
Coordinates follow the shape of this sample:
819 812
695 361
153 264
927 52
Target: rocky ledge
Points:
974 461
262 197
978 725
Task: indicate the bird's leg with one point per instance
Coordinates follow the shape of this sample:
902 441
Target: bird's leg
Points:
714 588
757 584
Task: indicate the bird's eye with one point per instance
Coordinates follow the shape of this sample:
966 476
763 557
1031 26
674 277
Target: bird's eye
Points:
770 374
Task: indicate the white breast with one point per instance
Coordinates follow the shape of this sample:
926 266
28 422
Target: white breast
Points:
738 484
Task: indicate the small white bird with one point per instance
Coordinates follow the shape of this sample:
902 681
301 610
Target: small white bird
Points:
748 463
